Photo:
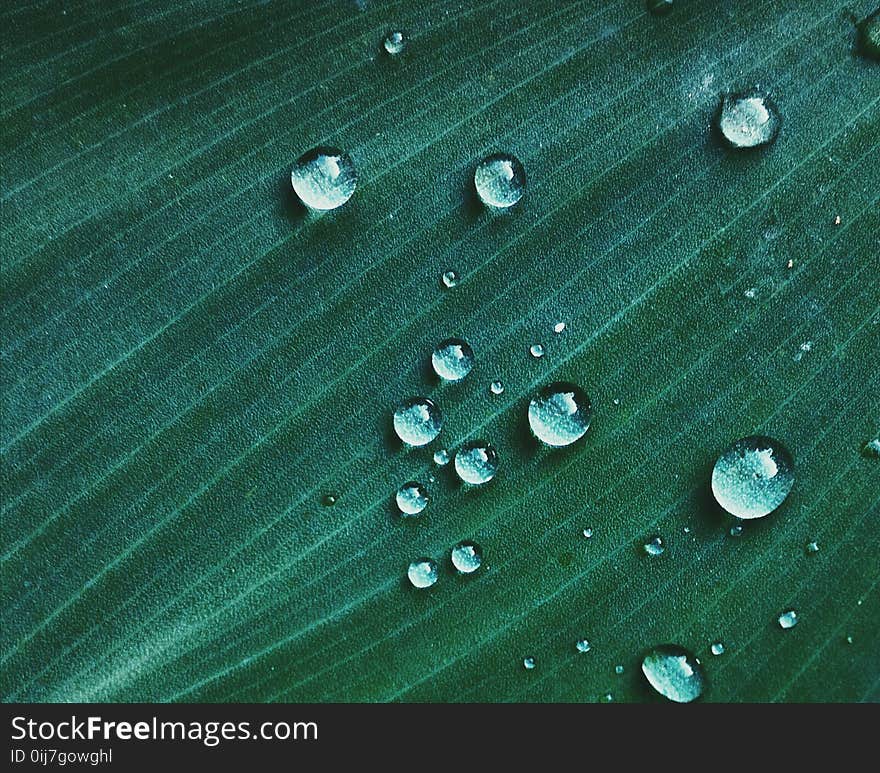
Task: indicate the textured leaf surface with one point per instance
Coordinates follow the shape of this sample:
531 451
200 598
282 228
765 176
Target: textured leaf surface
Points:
191 363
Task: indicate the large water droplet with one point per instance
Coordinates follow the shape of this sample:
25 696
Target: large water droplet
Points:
452 359
476 462
748 120
394 42
582 645
412 498
654 545
753 477
869 35
422 573
500 180
467 557
324 178
788 619
659 7
559 414
417 421
674 672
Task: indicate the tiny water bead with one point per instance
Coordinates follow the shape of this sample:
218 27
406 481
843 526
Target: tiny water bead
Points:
812 547
788 619
417 421
441 457
324 178
500 180
559 414
537 351
558 327
467 557
394 42
582 645
328 500
753 477
717 648
496 387
588 533
748 120
449 279
736 530
674 672
422 573
452 359
618 669
659 7
654 546
411 498
476 462
529 663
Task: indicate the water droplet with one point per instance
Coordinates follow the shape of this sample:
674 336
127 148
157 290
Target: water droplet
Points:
500 180
871 449
467 557
607 698
687 529
849 639
412 498
753 477
788 619
615 401
559 414
748 120
717 648
476 462
329 500
812 547
736 530
654 546
659 7
582 645
588 533
394 42
618 669
529 663
449 279
441 457
674 672
751 292
496 387
324 178
417 421
422 573
537 351
559 327
869 35
452 359
805 348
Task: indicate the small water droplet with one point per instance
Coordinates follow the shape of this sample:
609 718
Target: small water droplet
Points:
467 557
748 120
422 573
394 42
869 36
329 500
582 645
717 648
788 619
537 351
559 327
588 533
736 530
618 669
659 7
417 421
654 546
805 348
324 178
615 401
751 292
476 462
607 698
559 414
500 180
496 387
812 547
441 457
849 639
871 449
687 529
753 477
674 672
837 220
449 279
529 663
411 498
452 359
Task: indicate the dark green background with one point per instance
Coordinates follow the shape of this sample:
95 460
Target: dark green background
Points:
190 362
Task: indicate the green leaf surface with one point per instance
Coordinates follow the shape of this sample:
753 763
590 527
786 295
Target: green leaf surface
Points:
191 362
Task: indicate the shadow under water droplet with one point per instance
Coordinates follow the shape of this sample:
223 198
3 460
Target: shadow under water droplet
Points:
290 206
